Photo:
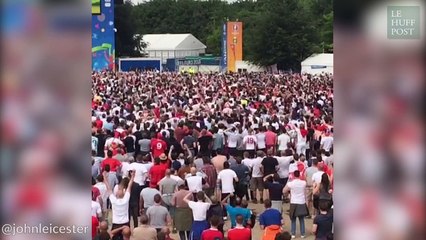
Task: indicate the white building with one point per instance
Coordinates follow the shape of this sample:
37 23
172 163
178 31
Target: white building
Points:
318 63
245 66
166 46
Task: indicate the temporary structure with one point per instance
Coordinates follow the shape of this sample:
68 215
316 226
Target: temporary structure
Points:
318 63
166 46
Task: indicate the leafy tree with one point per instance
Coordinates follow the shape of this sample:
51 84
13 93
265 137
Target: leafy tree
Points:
126 42
282 32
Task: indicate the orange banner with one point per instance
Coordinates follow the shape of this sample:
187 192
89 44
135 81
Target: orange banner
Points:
235 44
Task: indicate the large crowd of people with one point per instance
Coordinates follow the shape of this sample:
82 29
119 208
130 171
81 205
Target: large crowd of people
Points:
187 153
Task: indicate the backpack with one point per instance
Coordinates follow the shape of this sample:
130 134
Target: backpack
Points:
271 232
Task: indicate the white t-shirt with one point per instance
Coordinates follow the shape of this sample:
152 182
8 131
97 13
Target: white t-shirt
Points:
276 125
195 183
283 164
95 142
300 138
103 191
250 142
199 210
177 179
328 160
140 173
232 139
109 141
248 162
115 190
327 142
125 167
147 194
200 174
227 178
120 208
297 191
256 163
148 165
283 139
292 167
316 178
96 209
261 140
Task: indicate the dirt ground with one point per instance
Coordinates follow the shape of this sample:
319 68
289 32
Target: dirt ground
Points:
257 232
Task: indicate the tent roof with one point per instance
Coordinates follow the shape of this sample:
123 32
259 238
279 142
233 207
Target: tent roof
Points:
319 59
172 42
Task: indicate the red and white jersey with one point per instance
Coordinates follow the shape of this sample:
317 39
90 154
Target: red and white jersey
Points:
110 141
250 141
158 147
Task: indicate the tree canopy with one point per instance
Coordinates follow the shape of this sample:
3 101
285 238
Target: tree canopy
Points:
282 32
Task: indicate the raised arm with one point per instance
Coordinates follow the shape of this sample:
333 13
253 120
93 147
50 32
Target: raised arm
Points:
207 198
109 190
170 152
186 198
132 178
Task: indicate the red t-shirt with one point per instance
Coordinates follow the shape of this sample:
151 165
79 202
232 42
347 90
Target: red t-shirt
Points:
156 173
157 112
239 234
166 164
99 124
317 112
95 193
211 234
158 147
322 128
112 162
95 225
179 115
179 133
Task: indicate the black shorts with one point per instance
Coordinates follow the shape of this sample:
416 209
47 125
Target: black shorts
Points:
232 151
251 153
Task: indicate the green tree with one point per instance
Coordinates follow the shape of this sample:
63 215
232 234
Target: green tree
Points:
126 42
282 32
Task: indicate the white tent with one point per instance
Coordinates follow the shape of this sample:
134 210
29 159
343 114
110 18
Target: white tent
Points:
318 63
246 66
166 46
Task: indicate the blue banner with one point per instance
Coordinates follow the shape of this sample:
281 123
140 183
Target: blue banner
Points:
103 33
224 59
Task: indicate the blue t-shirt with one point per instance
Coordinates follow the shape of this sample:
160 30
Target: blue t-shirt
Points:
234 211
270 217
